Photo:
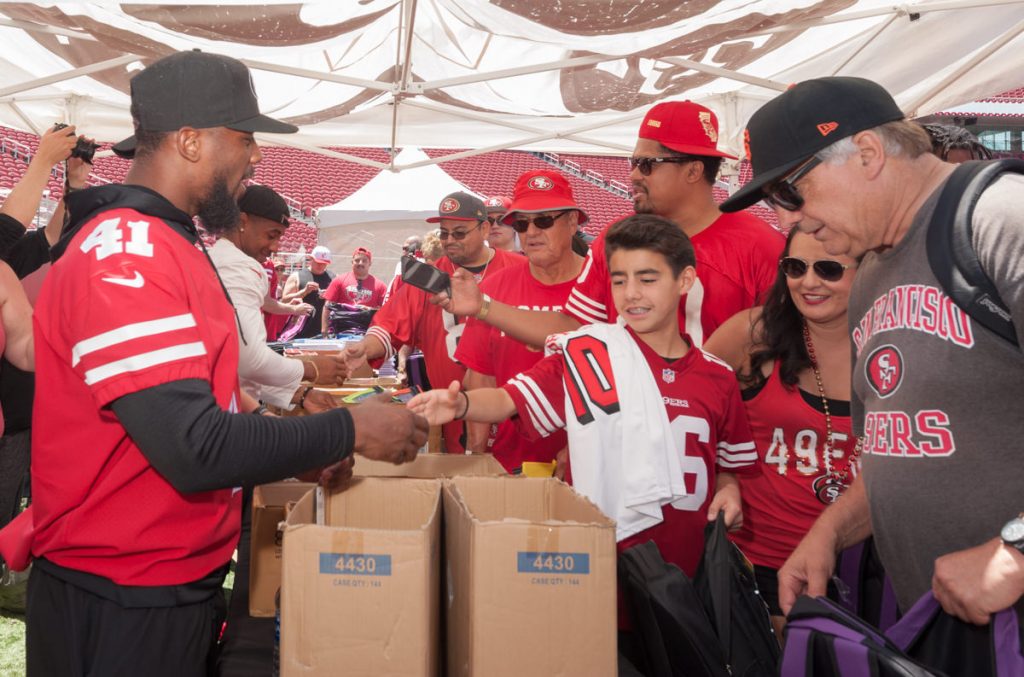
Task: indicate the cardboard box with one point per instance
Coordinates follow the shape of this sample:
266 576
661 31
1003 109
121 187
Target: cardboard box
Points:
531 580
269 503
360 595
429 466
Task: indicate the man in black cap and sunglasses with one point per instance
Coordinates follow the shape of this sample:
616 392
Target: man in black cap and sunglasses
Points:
137 474
936 396
409 318
674 166
545 215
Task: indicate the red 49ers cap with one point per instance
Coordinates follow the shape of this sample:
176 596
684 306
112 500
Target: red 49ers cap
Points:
807 118
497 204
683 126
542 190
196 89
460 206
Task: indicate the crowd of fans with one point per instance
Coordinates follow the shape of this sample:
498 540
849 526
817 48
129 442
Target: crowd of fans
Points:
690 361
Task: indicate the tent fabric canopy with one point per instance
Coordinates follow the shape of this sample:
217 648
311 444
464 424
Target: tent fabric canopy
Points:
566 76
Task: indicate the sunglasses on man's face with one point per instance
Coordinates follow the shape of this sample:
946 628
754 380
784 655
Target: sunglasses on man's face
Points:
826 269
784 193
542 221
495 219
646 164
456 234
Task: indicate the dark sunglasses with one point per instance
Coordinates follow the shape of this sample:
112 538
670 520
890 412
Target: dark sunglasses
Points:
495 220
646 164
542 221
784 193
825 269
457 234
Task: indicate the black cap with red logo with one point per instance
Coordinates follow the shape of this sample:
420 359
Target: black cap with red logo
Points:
803 120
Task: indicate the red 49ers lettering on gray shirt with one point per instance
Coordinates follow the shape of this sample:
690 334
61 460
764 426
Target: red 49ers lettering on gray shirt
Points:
937 396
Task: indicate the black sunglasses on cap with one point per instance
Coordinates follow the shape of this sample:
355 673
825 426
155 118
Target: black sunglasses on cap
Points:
784 193
646 164
825 269
542 221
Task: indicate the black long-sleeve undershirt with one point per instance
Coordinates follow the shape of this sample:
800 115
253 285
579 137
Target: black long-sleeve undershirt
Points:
197 446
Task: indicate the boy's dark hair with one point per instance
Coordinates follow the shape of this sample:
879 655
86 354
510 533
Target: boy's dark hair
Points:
654 233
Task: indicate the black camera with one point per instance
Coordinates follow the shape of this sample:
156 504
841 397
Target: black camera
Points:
83 150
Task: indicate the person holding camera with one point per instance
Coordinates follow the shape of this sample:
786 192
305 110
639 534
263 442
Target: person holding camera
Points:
409 317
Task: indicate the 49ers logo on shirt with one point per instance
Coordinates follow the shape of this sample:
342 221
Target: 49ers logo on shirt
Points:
541 183
449 205
885 370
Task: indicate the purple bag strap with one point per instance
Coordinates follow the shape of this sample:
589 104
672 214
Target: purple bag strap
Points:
851 655
1005 634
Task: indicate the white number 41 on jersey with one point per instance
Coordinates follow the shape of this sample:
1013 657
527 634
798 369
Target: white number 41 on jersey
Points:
107 239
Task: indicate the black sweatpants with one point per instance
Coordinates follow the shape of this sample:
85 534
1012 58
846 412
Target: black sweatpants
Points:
71 632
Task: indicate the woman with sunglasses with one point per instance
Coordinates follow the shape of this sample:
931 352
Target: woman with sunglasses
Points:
792 357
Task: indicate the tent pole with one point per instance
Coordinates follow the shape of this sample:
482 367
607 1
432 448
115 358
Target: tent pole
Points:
319 75
899 10
69 75
420 87
725 73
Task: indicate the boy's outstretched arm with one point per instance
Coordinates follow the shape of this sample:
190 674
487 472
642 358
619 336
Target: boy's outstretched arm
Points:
487 405
727 498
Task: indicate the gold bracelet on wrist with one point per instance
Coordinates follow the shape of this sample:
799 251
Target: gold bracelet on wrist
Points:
485 307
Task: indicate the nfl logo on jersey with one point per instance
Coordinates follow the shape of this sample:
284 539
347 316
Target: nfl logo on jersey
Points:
668 375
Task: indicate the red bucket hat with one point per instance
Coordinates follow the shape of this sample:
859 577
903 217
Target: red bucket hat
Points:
542 190
683 126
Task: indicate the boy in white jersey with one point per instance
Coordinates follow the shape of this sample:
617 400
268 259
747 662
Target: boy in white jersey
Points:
657 448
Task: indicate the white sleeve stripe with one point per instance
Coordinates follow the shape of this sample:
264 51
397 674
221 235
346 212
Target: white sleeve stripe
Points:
731 464
752 456
742 446
585 300
583 314
144 361
385 338
549 411
536 410
129 332
533 419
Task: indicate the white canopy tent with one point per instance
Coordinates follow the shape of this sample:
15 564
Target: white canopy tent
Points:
567 76
385 211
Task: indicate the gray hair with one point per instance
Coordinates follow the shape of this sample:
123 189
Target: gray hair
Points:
899 138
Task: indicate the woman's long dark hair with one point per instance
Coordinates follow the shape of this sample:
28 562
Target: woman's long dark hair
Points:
779 334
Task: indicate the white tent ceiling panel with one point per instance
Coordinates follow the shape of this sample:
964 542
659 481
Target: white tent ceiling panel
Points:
572 76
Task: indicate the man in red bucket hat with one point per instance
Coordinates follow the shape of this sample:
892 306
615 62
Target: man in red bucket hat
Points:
673 170
545 215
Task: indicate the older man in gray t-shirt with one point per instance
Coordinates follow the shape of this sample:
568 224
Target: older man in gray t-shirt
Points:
937 397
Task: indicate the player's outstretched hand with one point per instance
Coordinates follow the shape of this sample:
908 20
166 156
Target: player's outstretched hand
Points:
438 406
809 568
385 432
355 355
331 370
465 298
318 401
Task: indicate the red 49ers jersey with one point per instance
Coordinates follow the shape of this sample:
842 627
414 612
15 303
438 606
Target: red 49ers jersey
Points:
704 408
737 259
131 305
409 318
781 504
489 351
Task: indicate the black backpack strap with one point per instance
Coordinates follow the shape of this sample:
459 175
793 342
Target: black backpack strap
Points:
950 245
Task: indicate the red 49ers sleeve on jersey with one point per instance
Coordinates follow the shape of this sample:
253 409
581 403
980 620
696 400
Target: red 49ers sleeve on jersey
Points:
590 300
396 323
736 452
128 325
539 397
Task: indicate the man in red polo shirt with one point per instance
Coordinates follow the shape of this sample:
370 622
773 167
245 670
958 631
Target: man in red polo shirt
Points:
545 215
674 166
409 318
138 452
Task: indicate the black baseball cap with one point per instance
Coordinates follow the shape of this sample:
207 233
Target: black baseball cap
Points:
460 206
196 89
264 202
803 120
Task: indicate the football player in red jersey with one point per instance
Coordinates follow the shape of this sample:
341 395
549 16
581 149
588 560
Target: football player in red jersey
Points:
638 400
674 166
137 474
792 358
